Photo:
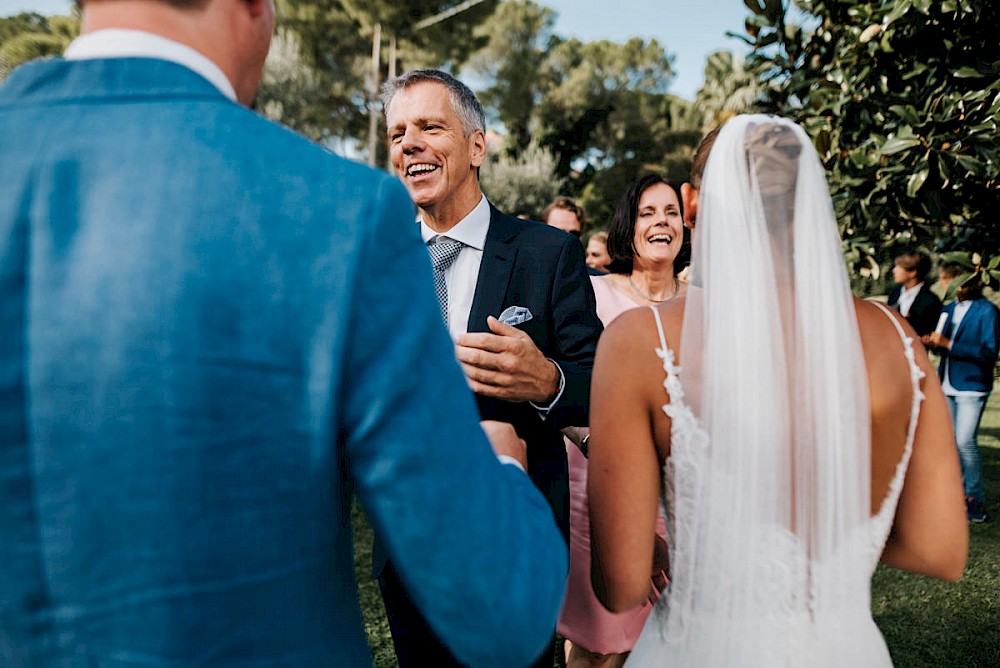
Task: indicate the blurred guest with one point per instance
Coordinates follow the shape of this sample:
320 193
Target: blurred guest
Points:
912 296
945 287
968 346
195 382
597 251
565 214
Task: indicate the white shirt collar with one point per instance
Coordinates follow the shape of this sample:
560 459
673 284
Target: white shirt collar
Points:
120 43
471 230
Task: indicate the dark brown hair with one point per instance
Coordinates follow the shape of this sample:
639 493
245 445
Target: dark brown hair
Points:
701 156
915 260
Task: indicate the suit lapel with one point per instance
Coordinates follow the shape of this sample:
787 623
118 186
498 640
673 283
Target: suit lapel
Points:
970 316
494 272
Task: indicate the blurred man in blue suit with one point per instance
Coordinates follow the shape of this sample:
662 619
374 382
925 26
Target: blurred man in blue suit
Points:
214 334
968 343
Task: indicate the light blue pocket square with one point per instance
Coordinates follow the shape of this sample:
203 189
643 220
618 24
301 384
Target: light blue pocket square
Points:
515 315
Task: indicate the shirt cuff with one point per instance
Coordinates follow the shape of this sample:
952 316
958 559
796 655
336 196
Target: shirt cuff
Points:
543 411
507 459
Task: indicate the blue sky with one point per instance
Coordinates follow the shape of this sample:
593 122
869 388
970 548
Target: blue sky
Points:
688 30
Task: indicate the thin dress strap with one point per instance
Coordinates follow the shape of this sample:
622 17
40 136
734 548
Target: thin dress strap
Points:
888 508
659 327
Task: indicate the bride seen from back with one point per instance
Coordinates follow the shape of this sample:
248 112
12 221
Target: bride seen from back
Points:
794 433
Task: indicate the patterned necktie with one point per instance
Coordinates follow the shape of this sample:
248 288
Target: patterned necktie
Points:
443 252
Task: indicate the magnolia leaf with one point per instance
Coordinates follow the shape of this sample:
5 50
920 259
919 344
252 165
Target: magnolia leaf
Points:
823 143
994 262
897 13
885 43
967 73
896 144
907 112
967 278
915 182
969 163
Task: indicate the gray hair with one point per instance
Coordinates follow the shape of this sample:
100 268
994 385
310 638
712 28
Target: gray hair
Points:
463 101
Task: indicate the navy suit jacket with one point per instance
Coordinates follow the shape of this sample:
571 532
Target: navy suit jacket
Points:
924 311
526 263
214 334
530 264
973 351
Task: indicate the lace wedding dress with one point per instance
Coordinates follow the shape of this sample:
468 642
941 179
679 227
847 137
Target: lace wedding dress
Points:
767 487
786 631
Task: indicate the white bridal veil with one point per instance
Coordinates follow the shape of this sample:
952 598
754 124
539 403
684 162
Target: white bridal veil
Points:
771 499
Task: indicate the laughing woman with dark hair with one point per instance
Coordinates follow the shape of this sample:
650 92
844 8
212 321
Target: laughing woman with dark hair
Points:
646 238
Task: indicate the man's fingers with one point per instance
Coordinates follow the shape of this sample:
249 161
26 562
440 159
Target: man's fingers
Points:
484 360
503 329
484 341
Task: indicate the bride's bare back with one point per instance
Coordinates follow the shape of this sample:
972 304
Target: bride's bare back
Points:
929 534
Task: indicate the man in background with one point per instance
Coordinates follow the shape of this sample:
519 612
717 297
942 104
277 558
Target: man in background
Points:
912 295
566 215
216 334
516 299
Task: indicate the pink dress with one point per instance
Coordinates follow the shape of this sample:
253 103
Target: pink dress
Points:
583 619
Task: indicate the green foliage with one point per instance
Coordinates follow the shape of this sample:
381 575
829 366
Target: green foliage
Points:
28 36
518 37
603 102
975 266
291 92
730 88
902 100
601 108
335 42
523 184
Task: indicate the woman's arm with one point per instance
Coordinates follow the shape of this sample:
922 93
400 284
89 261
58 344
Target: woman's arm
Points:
930 534
624 466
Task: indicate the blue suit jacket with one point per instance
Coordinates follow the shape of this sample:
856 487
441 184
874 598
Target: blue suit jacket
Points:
973 351
213 332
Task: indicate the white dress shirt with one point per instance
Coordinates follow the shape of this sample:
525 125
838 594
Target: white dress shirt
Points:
906 297
463 274
120 43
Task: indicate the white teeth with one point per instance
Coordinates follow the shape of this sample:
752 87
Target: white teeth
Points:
661 237
420 168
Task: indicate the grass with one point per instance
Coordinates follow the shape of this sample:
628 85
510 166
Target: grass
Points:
933 624
926 623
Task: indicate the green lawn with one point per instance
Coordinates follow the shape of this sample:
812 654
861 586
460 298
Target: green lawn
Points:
933 624
927 623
